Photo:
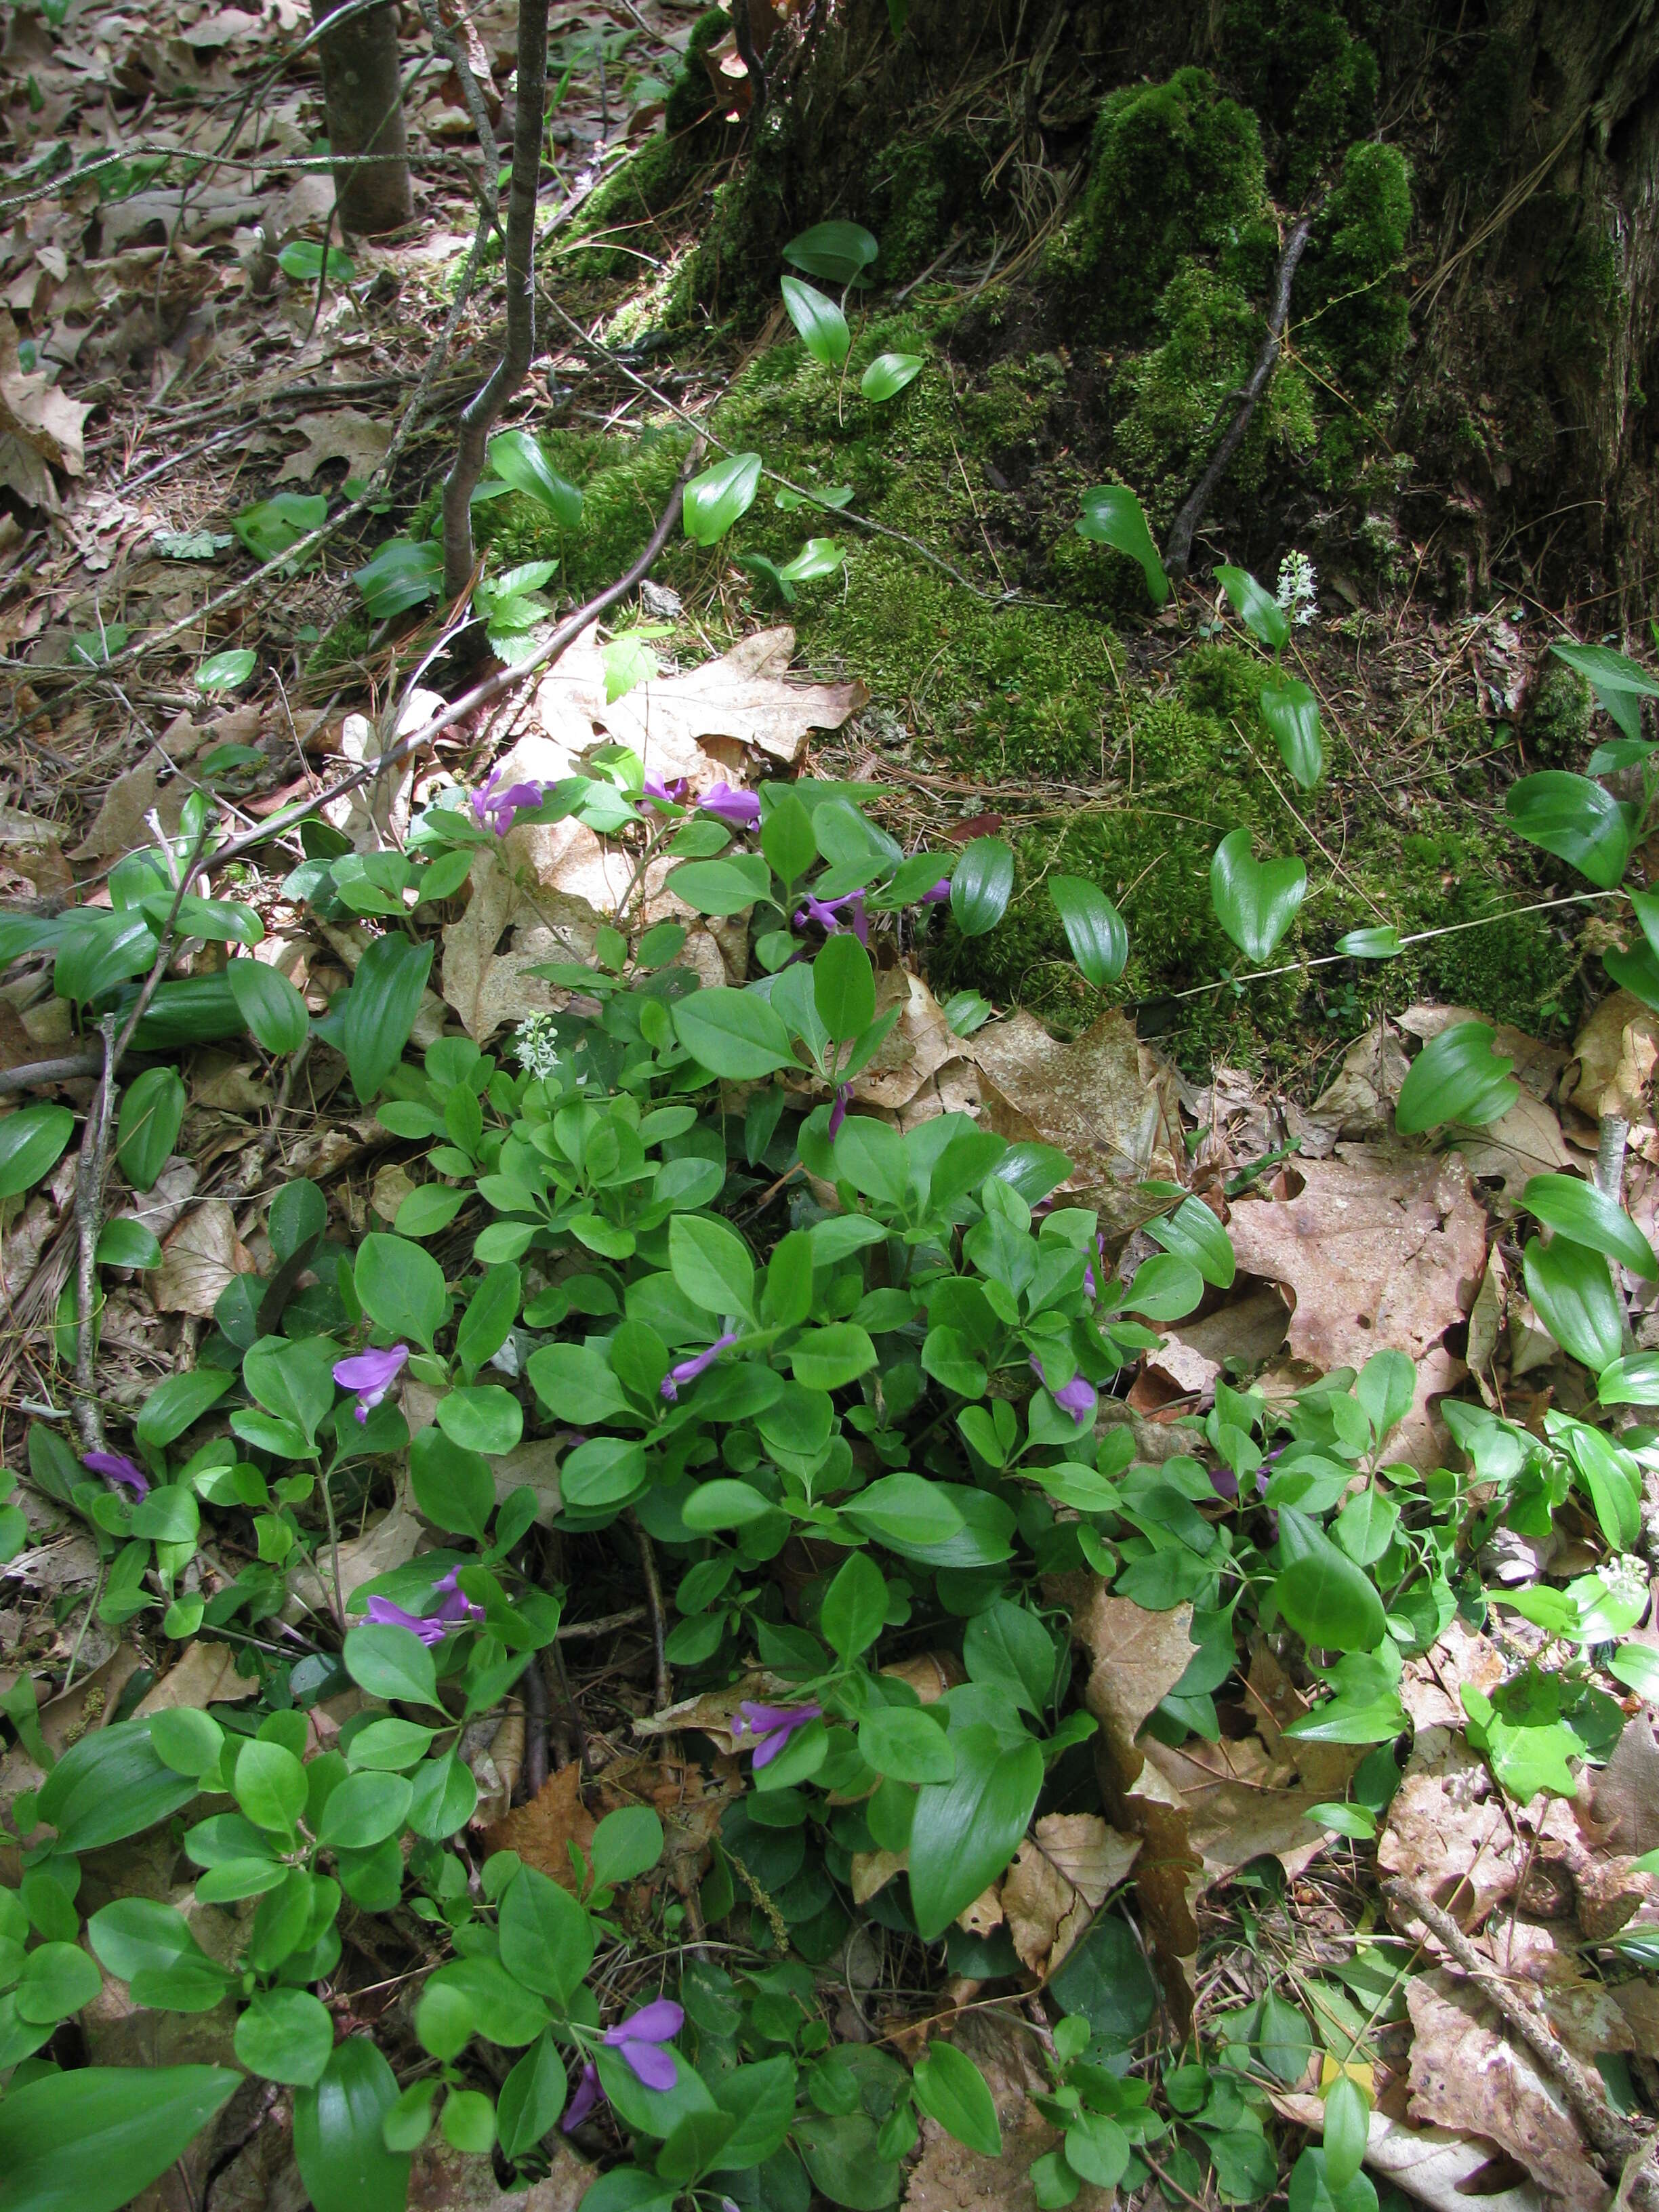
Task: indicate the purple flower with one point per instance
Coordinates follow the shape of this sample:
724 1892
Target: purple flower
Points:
641 2038
689 1370
768 1728
1078 1397
495 810
739 810
456 1610
371 1375
936 897
116 1467
588 2094
838 1111
826 914
664 794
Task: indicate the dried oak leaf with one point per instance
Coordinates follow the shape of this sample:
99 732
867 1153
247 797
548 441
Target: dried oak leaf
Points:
346 435
950 2177
201 1257
1061 1875
1449 1833
489 987
1380 1248
36 412
1465 2075
543 1831
1105 1100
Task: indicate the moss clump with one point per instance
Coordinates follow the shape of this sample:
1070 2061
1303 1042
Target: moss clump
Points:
625 484
1558 725
692 96
344 642
1176 170
646 184
1310 82
1351 296
922 188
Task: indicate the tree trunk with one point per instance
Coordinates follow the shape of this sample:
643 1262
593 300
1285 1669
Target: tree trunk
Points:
362 99
1470 376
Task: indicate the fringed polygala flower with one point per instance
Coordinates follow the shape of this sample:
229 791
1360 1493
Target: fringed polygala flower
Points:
116 1467
1078 1398
767 1728
371 1375
687 1370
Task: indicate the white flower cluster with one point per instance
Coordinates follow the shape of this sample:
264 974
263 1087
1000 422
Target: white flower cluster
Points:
1297 586
536 1045
1625 1576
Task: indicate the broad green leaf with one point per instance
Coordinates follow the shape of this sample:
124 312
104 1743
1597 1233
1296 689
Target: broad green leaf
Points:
147 1128
722 887
844 987
1094 928
124 1244
380 1007
92 2138
363 1810
517 457
391 1663
819 323
1584 1215
224 672
888 373
402 574
1618 684
950 2089
1573 1292
711 1264
1381 942
1193 1232
1578 821
981 884
838 251
966 1830
839 2150
32 1140
905 1743
286 2035
629 661
721 496
1292 713
1459 1076
817 558
546 1939
735 1034
829 1358
271 526
177 1401
338 2141
1258 610
270 1004
304 261
1112 516
110 1785
1254 901
1329 1602
1636 971
627 1844
401 1287
1633 1380
482 1417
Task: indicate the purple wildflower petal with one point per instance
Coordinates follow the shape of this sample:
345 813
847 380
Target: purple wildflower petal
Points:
650 2064
664 794
1079 1397
689 1370
940 893
482 799
116 1467
385 1614
739 810
767 1728
657 2022
371 1375
588 2094
509 802
838 1111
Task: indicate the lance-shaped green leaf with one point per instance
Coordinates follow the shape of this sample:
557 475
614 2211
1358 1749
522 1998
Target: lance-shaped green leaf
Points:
1459 1076
1584 1215
1094 927
820 324
1577 820
979 886
1573 1291
1381 942
1254 901
837 252
517 457
1258 610
719 497
1618 684
887 374
1112 516
1292 713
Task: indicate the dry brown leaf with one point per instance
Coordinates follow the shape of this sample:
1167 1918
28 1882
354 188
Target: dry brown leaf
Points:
36 412
32 849
543 1831
1451 1834
391 1541
950 2177
1106 1100
1380 1248
1467 2076
1135 1658
1358 1102
199 1257
1626 1800
1524 1142
445 2180
1429 1684
205 1675
489 987
914 1049
118 826
1614 1058
1584 2014
355 439
1061 1875
391 1187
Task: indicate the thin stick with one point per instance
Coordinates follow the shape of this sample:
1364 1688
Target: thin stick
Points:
91 1173
653 1595
607 1625
1179 549
510 371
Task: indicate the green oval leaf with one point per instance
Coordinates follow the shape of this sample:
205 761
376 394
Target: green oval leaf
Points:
1292 713
719 497
1382 943
31 1142
1255 901
1113 516
735 1034
838 251
223 672
1258 610
517 457
980 885
1094 928
1330 1602
1573 1291
1459 1076
380 1009
338 2141
965 1831
720 887
950 2089
270 1004
1578 821
887 374
401 1287
820 324
93 2137
1584 1215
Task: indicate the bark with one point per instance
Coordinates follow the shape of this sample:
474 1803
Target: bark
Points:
362 99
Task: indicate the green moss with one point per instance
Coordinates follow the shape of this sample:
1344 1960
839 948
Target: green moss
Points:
692 96
923 188
344 643
645 184
1350 296
1310 82
1558 725
1176 170
625 484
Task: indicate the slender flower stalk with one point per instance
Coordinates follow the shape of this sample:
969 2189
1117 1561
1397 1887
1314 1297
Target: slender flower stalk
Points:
689 1370
116 1467
371 1375
767 1728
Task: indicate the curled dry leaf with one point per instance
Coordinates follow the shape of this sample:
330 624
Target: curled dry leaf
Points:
543 1831
1613 1057
1358 1102
1449 1833
1106 1100
919 1044
1059 1877
1431 2164
491 988
1380 1248
205 1675
199 1257
1466 2076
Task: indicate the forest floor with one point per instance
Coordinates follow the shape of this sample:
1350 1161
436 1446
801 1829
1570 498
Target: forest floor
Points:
163 381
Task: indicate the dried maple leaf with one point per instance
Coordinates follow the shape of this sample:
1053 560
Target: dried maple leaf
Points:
1379 1249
